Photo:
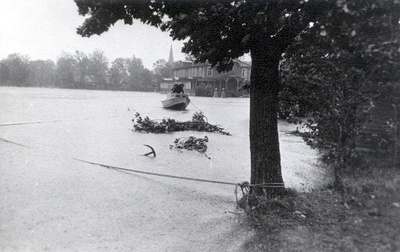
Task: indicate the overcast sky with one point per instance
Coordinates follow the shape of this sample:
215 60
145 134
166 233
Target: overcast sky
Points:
43 29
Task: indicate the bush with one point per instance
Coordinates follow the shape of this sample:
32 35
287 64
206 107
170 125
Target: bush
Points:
206 90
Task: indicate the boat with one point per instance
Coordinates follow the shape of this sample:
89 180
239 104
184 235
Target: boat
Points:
176 101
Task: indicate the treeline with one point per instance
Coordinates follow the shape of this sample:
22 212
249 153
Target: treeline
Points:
80 71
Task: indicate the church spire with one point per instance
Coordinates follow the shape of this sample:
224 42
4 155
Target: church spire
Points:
171 56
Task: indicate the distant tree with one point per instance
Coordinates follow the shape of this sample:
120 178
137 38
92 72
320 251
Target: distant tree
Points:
66 71
81 71
218 32
98 68
117 74
43 73
18 69
130 74
136 75
163 69
134 68
4 74
147 81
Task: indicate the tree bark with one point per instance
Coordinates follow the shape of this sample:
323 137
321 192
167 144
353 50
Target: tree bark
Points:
264 138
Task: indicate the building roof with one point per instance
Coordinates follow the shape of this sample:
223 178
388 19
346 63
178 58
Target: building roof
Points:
190 64
243 64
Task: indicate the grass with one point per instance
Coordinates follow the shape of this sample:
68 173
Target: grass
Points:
366 217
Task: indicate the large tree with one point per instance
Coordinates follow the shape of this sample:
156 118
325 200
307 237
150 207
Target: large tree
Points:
219 31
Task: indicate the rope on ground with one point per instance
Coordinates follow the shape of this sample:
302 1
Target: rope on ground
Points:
154 173
11 142
244 186
196 106
21 123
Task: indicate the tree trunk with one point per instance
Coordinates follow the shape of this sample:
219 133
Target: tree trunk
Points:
395 136
264 138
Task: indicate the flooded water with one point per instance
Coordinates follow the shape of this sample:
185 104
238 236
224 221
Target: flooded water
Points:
50 201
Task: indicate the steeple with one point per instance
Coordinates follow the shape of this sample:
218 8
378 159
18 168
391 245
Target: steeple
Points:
171 56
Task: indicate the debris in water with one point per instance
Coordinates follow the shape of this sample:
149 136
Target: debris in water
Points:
191 143
167 125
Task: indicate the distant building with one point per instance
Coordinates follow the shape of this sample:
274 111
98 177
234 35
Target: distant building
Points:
201 78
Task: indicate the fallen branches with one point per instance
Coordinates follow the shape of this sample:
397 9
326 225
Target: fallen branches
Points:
191 143
167 125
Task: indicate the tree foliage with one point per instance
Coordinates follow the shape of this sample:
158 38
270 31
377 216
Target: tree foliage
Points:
42 73
16 70
66 65
118 75
98 68
139 78
163 69
337 68
217 31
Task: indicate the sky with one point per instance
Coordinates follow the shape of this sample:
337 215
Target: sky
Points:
43 29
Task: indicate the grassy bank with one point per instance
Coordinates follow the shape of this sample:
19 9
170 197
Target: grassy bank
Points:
366 217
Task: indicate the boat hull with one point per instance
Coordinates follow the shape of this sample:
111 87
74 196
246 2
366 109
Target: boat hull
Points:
176 103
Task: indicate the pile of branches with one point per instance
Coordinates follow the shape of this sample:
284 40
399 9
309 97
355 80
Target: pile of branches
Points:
166 125
191 143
